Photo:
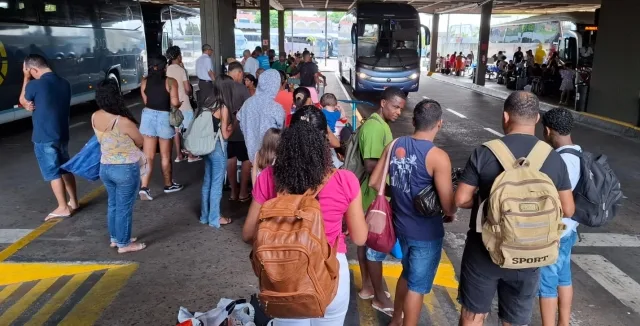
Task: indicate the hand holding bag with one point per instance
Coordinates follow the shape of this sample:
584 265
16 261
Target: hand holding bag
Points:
382 236
175 117
427 201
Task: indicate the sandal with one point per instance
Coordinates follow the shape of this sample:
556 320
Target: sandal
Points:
132 248
245 199
228 220
114 245
386 311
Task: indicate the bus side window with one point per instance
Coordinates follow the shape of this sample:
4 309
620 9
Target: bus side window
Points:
55 13
23 11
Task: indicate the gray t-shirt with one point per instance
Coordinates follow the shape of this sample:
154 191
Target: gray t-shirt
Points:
240 94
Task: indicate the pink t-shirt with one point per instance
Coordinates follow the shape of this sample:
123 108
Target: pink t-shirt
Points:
334 200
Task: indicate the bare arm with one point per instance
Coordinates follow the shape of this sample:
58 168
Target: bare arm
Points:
224 123
439 160
187 87
130 129
356 224
212 75
334 142
375 178
172 88
143 86
251 222
464 195
566 200
370 165
26 104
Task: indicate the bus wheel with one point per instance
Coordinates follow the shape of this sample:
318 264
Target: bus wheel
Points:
114 77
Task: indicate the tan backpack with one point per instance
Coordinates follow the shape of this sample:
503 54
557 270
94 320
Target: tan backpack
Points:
523 221
296 267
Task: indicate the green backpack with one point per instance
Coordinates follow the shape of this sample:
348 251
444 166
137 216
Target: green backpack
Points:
353 160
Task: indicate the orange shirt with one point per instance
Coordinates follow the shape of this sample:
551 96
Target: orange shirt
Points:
285 99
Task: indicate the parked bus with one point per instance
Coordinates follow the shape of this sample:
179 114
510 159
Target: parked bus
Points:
379 46
84 41
565 33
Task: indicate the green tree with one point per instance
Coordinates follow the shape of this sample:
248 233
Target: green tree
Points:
335 16
273 18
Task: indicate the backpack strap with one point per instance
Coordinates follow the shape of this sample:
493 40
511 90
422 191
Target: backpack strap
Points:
571 151
383 181
502 153
538 155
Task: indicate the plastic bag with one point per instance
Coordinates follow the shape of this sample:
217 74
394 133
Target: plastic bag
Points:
214 317
86 163
396 251
427 201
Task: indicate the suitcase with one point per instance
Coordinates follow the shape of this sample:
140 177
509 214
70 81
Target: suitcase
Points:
500 80
521 82
511 83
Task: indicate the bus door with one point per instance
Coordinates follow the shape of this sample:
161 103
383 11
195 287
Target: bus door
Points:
570 50
425 41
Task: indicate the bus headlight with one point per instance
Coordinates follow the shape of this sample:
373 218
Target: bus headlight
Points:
414 75
362 75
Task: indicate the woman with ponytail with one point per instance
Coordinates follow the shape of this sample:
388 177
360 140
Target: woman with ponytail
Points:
303 163
159 94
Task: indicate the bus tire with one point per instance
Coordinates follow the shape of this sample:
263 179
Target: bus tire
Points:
113 75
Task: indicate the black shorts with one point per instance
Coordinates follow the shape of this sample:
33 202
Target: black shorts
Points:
237 149
480 278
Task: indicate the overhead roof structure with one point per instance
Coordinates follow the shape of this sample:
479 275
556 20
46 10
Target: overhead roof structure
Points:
424 6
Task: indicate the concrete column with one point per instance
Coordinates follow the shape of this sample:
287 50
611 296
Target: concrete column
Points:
613 93
435 21
265 25
216 19
281 31
483 44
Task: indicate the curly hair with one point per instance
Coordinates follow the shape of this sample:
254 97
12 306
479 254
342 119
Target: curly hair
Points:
303 159
559 120
110 99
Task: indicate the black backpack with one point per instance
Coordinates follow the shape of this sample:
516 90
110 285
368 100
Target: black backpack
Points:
597 195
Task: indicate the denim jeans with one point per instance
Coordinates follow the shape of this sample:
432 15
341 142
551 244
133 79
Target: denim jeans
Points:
215 168
122 182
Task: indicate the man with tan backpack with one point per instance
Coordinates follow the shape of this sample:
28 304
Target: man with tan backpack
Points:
523 191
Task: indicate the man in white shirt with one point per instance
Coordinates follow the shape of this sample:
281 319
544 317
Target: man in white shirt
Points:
204 71
250 63
555 289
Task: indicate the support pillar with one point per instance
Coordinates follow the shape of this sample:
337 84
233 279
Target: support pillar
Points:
483 44
213 15
265 25
281 31
433 58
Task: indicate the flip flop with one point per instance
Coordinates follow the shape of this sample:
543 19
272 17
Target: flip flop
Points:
114 245
386 311
73 209
245 199
229 220
54 215
373 295
139 247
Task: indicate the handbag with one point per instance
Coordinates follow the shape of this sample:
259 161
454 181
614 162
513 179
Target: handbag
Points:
175 117
382 236
86 163
427 201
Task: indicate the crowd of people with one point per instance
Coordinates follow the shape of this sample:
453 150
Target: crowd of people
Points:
288 144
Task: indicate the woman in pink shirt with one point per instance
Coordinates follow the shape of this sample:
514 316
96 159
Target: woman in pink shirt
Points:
303 161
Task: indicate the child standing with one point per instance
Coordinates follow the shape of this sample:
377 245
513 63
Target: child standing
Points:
332 111
266 156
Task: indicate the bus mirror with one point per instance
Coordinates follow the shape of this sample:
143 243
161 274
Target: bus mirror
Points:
354 33
427 35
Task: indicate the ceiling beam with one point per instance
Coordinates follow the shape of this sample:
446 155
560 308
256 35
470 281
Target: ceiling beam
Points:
430 5
326 4
458 8
301 4
275 4
352 4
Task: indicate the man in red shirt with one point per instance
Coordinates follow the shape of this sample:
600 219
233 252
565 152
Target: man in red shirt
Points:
285 98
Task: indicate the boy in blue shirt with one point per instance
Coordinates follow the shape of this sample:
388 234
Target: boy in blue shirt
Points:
332 111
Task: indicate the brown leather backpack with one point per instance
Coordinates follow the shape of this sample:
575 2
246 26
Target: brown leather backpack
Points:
296 268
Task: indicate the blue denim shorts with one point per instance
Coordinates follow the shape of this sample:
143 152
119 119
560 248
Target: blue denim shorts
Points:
420 260
155 123
558 274
373 255
50 157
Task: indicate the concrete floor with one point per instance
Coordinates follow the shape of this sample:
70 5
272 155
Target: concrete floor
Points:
187 264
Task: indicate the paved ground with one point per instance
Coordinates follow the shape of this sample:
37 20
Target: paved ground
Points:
65 273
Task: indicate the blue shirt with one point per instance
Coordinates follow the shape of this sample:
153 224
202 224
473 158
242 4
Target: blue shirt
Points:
332 118
263 61
408 176
52 98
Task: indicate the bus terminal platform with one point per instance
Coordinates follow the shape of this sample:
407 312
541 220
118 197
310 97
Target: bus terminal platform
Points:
63 271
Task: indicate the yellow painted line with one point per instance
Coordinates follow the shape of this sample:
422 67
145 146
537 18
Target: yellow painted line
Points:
11 273
6 292
365 311
89 309
453 290
614 121
21 305
57 300
44 227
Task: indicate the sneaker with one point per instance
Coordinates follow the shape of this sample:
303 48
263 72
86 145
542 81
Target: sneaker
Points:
145 194
174 187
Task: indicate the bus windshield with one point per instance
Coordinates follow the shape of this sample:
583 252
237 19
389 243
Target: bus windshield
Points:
394 40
